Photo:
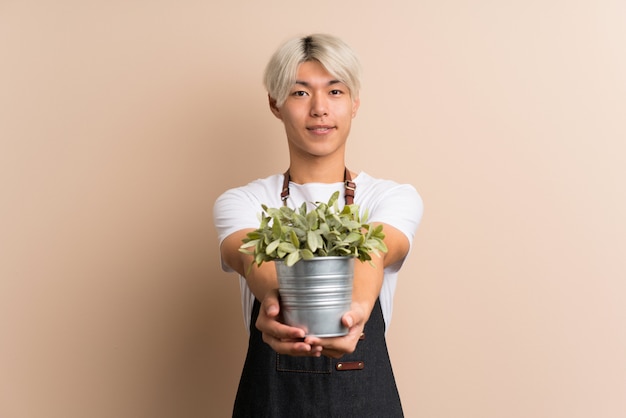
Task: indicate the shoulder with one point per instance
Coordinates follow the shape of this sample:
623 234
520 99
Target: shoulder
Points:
374 191
390 202
253 194
237 208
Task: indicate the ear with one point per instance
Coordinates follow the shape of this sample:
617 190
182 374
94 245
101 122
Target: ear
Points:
355 106
275 110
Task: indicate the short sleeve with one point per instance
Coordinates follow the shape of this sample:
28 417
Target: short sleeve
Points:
235 210
239 208
400 206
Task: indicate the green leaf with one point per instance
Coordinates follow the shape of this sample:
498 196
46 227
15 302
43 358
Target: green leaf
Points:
333 199
312 220
277 230
300 221
376 244
353 237
292 258
273 213
347 210
287 247
306 254
378 230
249 244
303 208
352 225
272 247
312 241
294 239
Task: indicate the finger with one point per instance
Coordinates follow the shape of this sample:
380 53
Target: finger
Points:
291 347
348 320
278 330
337 346
332 354
270 304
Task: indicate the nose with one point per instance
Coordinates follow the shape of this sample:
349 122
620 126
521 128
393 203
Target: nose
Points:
319 106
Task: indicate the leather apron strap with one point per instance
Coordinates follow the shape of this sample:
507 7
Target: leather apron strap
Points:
350 187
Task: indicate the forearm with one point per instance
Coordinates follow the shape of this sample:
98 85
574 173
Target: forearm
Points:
368 276
260 279
368 280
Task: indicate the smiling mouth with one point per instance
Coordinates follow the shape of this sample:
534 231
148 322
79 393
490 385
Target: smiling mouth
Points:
320 129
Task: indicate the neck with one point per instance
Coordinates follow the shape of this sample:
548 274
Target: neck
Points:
317 172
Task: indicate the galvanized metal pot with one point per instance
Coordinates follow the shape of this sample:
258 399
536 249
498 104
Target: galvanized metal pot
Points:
316 293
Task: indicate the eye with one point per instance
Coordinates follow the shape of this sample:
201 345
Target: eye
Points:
299 93
336 92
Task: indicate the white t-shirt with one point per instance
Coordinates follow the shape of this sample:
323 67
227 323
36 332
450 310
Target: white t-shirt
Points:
398 205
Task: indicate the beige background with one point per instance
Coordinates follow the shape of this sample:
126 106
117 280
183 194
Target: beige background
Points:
121 122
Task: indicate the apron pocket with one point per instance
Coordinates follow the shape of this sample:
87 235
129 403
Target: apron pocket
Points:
285 363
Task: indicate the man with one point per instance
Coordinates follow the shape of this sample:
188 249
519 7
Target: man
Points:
313 89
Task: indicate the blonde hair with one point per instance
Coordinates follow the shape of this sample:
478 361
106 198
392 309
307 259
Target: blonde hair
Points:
333 53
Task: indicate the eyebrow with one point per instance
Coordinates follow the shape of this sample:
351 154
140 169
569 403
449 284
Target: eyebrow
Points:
306 84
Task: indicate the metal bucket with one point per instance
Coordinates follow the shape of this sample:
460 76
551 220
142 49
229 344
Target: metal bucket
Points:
316 293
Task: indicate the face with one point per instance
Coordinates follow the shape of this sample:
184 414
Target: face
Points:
317 113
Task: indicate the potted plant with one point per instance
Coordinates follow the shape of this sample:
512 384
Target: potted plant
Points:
314 253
